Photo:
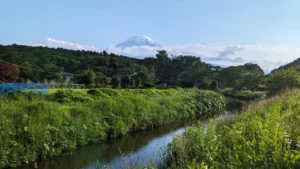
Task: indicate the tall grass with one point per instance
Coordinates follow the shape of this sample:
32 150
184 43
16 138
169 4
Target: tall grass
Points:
36 127
266 135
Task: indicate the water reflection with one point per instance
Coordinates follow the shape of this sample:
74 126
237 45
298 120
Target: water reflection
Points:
142 147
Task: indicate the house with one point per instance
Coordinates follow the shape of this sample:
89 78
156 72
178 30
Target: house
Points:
67 77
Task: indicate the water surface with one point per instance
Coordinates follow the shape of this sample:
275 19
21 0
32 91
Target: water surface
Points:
143 147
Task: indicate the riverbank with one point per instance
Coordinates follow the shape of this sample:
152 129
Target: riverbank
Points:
265 135
37 127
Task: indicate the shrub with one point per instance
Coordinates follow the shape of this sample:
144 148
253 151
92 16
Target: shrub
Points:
266 135
213 85
70 95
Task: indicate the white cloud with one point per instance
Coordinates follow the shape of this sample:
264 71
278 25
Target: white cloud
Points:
54 43
268 57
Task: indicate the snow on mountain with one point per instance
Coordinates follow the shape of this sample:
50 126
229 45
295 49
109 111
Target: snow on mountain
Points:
138 41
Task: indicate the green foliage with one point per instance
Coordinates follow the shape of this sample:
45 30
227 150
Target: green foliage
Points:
246 76
213 85
195 73
115 82
283 79
162 65
86 77
56 75
209 104
126 82
245 95
35 127
266 135
183 71
57 60
71 96
138 82
295 63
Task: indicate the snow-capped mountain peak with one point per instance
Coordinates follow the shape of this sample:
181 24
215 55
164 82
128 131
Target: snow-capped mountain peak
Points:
138 41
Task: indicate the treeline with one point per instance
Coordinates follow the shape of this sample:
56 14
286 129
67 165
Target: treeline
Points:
38 64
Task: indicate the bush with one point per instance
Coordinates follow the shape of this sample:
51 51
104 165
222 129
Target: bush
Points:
148 85
283 79
93 92
266 135
213 85
71 96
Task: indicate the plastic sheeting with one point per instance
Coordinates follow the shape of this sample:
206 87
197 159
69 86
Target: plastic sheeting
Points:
24 88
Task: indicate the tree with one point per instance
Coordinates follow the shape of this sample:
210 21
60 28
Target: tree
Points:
115 82
132 82
27 72
179 64
90 77
213 85
283 79
9 72
99 79
86 77
51 72
125 82
138 82
244 76
105 81
162 66
195 74
147 76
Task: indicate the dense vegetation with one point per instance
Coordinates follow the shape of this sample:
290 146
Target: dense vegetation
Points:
38 64
266 135
294 63
34 127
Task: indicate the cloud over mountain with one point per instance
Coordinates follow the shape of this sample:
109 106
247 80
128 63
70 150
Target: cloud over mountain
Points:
138 41
268 57
54 43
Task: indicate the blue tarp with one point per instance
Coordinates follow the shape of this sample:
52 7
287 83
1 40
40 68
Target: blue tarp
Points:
24 88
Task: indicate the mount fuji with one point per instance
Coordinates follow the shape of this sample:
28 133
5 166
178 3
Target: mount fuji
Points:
138 41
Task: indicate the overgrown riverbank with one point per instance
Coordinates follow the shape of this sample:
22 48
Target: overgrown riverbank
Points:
34 127
266 135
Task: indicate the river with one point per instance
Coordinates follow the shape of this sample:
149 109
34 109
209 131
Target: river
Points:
139 148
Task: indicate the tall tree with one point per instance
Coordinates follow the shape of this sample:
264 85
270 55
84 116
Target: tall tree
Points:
195 74
162 65
283 79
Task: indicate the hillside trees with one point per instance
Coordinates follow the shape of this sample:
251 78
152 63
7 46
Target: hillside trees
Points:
195 74
40 63
238 77
284 79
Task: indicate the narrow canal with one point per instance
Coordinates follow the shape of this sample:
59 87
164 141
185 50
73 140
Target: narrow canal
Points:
140 148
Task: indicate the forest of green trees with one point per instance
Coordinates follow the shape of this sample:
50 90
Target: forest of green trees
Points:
103 69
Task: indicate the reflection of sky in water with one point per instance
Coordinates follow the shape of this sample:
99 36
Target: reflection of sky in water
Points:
145 155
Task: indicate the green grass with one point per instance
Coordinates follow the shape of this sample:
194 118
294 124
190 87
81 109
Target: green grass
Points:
265 135
242 94
35 127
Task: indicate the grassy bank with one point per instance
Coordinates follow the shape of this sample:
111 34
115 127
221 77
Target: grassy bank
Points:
244 95
35 127
266 135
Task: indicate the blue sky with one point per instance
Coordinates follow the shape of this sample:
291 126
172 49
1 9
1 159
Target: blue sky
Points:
254 26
